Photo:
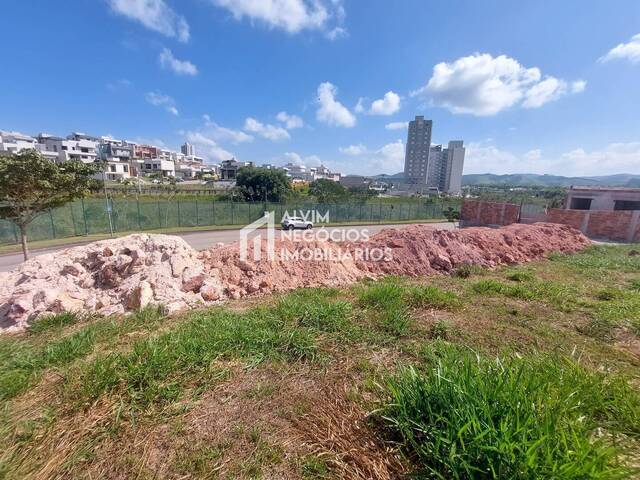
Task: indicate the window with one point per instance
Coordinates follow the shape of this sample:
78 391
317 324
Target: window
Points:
580 203
125 168
626 205
112 168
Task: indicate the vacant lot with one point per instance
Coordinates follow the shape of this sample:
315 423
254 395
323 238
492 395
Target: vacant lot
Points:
524 372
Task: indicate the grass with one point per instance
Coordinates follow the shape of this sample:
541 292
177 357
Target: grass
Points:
521 372
464 416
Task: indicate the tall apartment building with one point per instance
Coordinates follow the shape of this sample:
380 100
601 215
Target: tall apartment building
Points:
445 168
416 159
188 149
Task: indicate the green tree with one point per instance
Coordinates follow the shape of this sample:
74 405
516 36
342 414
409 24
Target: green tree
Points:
30 185
328 191
262 184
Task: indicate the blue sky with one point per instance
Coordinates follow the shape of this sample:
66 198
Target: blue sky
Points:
543 87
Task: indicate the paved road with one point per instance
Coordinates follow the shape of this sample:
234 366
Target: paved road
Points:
202 240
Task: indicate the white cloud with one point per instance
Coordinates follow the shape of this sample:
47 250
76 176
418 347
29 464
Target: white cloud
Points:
297 159
337 32
156 15
387 159
268 131
121 84
353 150
290 121
387 105
396 125
482 157
550 89
181 67
533 155
160 100
578 86
359 108
628 51
483 85
292 16
331 111
614 158
207 147
223 134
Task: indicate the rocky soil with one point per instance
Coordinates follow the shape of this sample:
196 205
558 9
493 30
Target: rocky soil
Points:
128 273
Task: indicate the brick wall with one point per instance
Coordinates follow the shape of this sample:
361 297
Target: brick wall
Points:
611 225
604 224
574 218
488 213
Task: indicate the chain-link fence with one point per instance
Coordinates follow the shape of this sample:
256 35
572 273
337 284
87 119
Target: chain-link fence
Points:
101 216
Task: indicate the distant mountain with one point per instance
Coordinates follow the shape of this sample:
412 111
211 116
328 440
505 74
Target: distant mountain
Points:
533 179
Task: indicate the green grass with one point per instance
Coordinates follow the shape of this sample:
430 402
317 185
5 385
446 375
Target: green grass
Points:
454 414
157 368
391 302
464 416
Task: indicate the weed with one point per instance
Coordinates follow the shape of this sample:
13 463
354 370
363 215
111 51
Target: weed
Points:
520 276
441 329
531 417
429 296
315 468
489 286
54 322
467 270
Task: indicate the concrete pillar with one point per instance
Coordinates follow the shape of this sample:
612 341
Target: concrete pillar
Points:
633 225
585 222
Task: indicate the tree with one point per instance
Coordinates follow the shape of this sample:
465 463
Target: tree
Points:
262 184
327 191
30 185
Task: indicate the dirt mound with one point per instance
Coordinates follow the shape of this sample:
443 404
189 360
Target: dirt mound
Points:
110 276
120 275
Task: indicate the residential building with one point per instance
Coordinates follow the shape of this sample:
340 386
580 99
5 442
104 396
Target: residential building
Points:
444 172
355 181
416 158
324 172
145 152
82 149
229 168
296 171
14 142
151 166
603 198
188 149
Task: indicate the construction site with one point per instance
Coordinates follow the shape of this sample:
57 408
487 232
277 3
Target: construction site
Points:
141 356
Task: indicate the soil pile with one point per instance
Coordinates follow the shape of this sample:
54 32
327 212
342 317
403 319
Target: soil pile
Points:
125 274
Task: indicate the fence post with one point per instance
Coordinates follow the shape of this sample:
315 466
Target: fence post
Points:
380 217
15 231
139 217
213 211
197 219
178 202
232 216
84 217
53 227
73 219
159 214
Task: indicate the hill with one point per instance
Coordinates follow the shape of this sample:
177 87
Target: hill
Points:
532 179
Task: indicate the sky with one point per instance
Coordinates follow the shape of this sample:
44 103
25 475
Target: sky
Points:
531 87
